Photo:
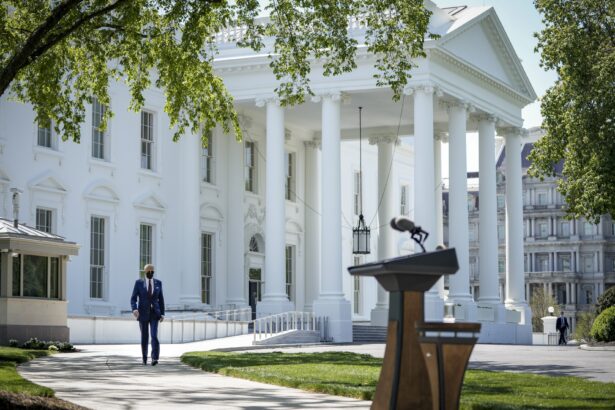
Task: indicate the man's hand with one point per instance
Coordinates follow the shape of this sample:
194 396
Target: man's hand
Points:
135 313
161 318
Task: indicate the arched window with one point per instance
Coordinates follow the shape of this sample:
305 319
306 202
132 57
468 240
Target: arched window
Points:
253 244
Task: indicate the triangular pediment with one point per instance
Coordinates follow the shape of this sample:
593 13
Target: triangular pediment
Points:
150 201
482 43
48 182
101 191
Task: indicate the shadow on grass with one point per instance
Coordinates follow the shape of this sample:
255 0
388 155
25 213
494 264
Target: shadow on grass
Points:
214 361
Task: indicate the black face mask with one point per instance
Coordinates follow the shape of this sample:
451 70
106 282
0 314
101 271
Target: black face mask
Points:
150 274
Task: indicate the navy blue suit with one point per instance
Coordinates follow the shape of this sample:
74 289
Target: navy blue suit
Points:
150 310
562 324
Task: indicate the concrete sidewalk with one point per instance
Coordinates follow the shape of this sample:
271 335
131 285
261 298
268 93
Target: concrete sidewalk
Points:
112 376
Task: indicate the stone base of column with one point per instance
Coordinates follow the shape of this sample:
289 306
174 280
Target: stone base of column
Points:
464 308
434 306
490 311
273 306
524 327
379 316
238 303
524 308
338 312
191 301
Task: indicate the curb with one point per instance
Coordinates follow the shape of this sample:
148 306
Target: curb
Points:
597 348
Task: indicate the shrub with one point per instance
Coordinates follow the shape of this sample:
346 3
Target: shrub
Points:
53 348
13 343
582 331
603 329
35 344
606 300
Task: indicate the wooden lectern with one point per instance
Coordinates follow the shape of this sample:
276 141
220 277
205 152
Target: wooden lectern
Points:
405 379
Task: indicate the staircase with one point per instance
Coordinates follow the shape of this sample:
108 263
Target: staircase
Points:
369 334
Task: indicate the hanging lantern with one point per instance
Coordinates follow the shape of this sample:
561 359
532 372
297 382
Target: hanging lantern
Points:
360 234
361 238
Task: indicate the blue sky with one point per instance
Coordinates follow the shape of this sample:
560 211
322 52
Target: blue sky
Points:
520 20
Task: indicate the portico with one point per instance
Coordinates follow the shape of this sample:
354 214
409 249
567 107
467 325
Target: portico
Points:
453 91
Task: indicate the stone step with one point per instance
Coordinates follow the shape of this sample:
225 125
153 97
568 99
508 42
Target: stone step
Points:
369 334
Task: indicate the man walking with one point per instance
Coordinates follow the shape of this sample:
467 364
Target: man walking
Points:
561 325
147 304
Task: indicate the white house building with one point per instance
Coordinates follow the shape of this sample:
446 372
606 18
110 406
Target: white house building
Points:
267 222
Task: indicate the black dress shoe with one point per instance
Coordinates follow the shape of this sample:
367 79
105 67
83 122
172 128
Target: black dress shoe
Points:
154 362
144 362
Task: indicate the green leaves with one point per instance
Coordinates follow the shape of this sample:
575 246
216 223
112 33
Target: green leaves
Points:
59 58
579 110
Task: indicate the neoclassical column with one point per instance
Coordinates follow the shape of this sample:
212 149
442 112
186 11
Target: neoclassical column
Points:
331 302
488 217
514 216
235 251
425 184
458 206
439 138
190 229
274 298
386 211
312 222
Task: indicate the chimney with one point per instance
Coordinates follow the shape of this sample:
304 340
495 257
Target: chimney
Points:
16 193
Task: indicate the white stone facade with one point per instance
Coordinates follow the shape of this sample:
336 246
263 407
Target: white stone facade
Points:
470 81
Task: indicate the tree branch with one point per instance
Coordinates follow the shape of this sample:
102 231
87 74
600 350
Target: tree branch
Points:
22 55
55 39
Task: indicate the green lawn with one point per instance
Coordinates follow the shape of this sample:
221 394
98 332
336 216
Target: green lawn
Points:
10 380
355 375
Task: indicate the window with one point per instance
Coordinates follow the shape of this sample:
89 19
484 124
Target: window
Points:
501 232
501 264
403 200
45 136
357 182
97 256
145 246
526 262
472 203
501 202
206 267
473 268
588 229
357 289
472 232
43 220
290 269
207 160
36 276
542 262
250 166
588 291
543 229
588 263
98 135
564 229
541 198
563 262
290 176
147 140
253 246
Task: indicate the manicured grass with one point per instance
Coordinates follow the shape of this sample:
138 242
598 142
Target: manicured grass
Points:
17 392
355 375
10 380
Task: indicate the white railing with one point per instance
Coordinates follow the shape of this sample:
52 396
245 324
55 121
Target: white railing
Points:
269 326
234 315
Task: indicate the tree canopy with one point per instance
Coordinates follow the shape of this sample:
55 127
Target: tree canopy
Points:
578 41
59 55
